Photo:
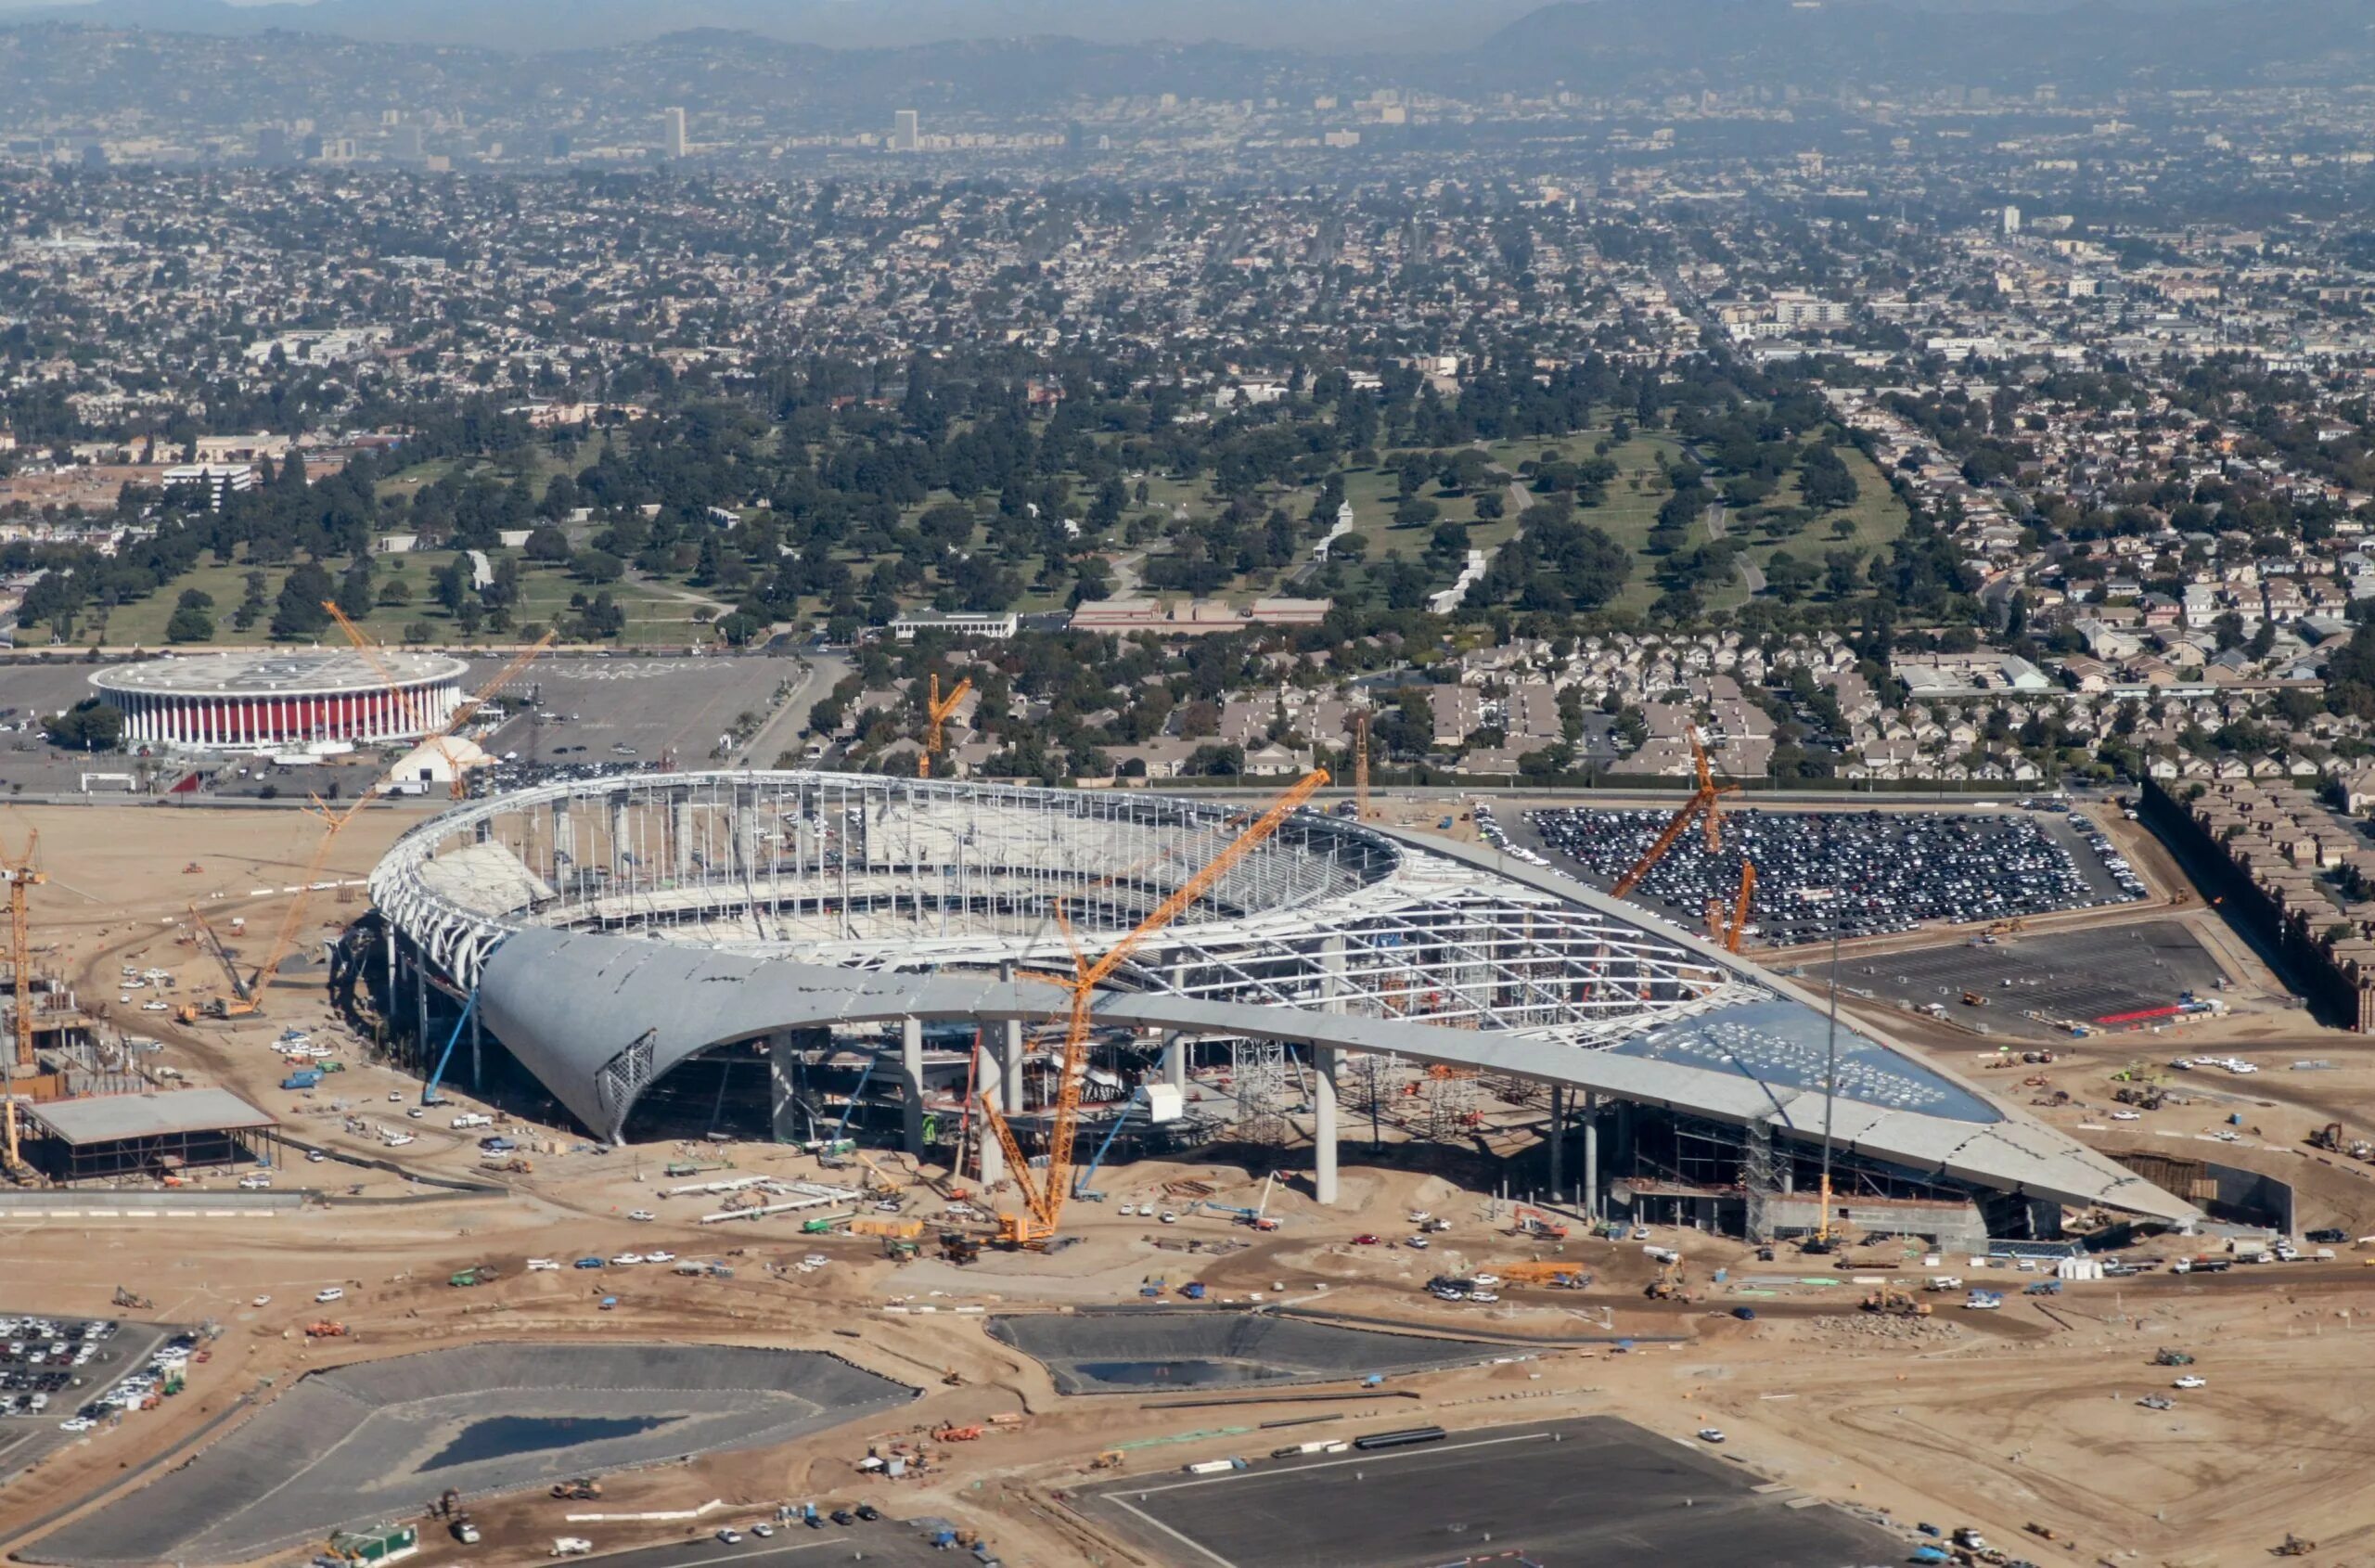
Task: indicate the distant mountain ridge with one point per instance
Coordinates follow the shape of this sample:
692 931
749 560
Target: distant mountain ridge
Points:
1315 26
90 69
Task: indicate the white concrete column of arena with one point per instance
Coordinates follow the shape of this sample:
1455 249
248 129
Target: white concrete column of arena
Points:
911 1070
991 1075
1323 1078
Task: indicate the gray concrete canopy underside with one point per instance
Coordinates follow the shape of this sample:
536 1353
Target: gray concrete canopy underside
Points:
599 1017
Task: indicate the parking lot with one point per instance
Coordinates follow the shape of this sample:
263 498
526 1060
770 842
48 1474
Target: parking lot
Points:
49 1397
1577 1494
2080 976
616 714
1870 872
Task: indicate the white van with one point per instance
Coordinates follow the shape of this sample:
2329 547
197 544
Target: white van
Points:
330 1294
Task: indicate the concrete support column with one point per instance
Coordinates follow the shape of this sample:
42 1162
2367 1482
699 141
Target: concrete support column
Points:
564 838
681 831
1591 1155
476 1075
911 1074
1323 1124
1010 1058
989 1076
1175 1049
1557 1140
746 832
619 851
1323 1075
783 1077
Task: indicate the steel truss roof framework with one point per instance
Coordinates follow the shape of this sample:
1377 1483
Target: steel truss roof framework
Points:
882 873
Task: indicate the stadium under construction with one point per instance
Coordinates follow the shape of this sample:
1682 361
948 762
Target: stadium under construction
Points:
825 956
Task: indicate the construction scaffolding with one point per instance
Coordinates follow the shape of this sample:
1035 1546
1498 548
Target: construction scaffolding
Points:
1262 1077
1758 1181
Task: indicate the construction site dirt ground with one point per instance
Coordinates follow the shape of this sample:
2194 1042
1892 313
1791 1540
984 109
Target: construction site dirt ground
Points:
1996 1419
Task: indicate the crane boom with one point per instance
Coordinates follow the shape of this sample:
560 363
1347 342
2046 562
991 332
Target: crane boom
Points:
1700 805
1044 1198
22 879
936 712
1361 765
222 953
1740 908
374 656
378 664
286 937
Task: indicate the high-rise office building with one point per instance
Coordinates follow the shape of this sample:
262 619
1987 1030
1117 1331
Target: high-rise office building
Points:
907 132
671 132
2012 219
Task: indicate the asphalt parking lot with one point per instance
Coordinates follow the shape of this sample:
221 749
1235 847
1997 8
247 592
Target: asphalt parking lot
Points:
1592 1492
27 1439
1868 872
343 1447
656 706
2081 976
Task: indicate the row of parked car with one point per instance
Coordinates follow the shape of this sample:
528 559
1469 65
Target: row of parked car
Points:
38 1357
160 1374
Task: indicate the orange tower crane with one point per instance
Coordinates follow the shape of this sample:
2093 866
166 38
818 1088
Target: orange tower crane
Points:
1044 1195
1361 765
1724 927
1699 806
22 879
936 714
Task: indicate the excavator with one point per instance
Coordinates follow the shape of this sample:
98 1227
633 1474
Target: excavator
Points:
1890 1302
1669 1286
1540 1226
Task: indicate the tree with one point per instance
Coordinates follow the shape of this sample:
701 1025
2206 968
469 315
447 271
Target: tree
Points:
190 625
597 566
298 612
547 544
89 726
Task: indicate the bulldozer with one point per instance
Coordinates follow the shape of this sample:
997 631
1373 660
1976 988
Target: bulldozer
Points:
1109 1460
1890 1302
1668 1285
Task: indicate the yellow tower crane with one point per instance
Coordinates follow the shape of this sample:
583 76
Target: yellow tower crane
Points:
22 879
1043 1196
936 712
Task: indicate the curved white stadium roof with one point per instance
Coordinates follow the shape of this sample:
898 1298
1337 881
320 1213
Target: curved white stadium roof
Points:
616 927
